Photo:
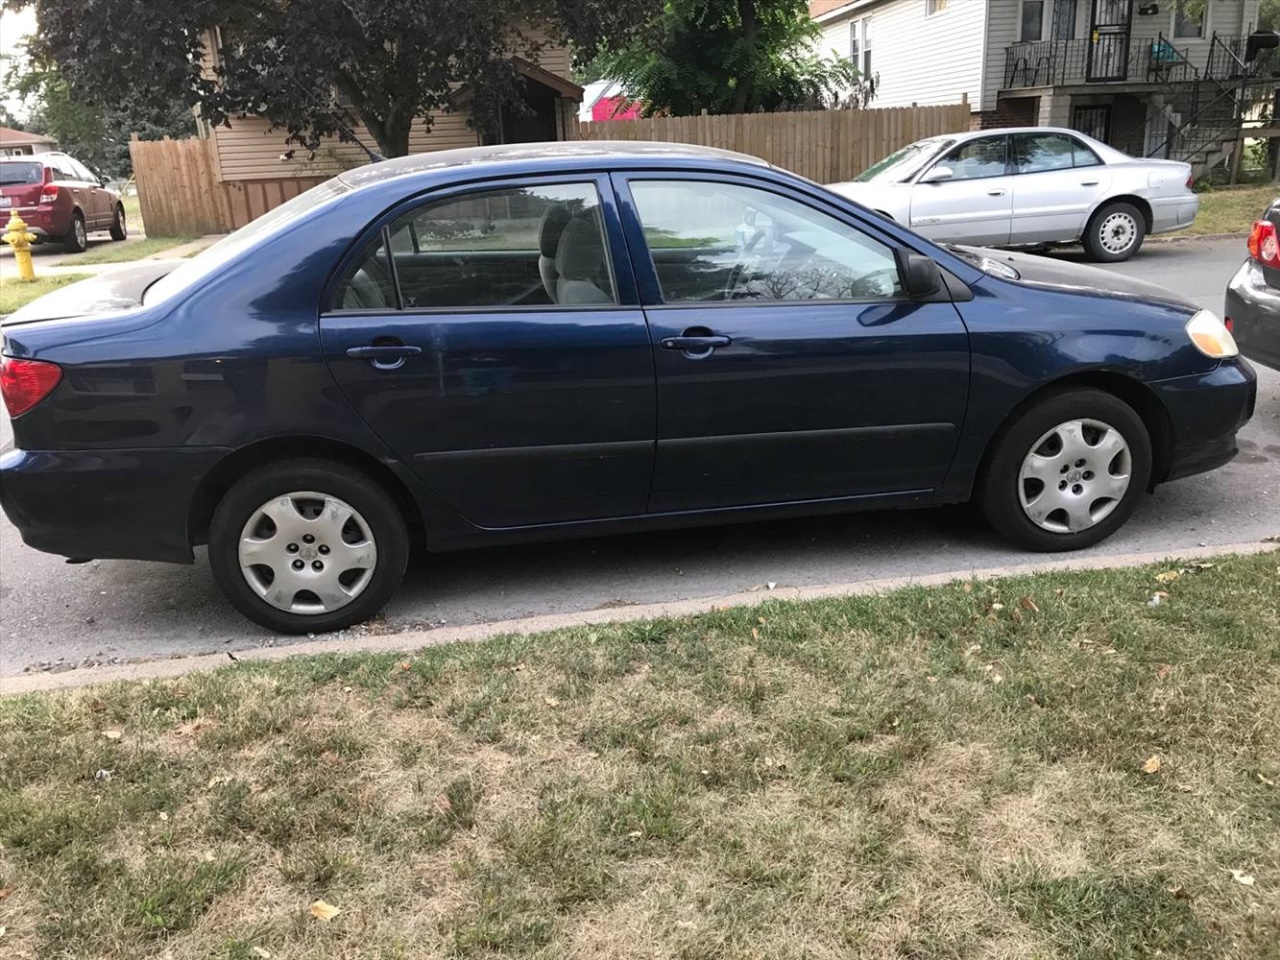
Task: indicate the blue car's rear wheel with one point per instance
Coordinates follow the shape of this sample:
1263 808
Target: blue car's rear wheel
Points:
1067 472
307 546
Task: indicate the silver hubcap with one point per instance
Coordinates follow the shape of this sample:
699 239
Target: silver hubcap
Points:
1075 476
307 553
81 236
1117 233
124 226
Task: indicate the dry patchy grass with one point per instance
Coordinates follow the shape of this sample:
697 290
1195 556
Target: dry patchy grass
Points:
949 773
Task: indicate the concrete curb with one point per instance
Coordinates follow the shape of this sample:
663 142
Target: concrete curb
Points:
417 639
1199 237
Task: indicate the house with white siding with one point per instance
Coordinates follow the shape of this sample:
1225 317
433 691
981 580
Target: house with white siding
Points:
1171 78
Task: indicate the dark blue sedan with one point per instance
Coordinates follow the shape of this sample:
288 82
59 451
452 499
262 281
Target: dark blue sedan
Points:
534 342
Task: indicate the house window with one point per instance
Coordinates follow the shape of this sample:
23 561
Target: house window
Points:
1189 24
1064 19
1032 20
934 6
860 45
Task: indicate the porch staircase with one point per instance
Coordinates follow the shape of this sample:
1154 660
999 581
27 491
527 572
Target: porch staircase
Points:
1209 111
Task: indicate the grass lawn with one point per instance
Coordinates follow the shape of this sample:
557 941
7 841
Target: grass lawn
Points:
133 214
1230 211
108 252
16 293
1045 767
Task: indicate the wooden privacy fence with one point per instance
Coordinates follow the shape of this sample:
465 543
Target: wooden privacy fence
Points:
824 145
180 193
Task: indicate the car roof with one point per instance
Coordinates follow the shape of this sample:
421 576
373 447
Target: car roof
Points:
533 156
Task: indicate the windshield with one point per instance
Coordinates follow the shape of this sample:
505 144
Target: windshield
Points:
251 234
902 166
20 172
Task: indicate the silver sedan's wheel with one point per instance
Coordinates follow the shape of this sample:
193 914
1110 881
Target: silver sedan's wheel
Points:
1075 476
307 553
1118 232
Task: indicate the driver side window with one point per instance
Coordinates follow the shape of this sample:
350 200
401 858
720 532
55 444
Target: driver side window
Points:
977 159
719 241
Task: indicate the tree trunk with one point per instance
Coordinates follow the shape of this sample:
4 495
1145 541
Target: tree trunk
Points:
391 133
744 83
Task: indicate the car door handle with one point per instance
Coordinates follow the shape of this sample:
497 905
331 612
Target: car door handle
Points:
397 351
384 356
695 344
995 193
1088 183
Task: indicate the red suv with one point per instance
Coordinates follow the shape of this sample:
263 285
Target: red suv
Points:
59 199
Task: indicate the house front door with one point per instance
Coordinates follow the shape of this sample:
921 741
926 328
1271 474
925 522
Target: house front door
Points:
1109 27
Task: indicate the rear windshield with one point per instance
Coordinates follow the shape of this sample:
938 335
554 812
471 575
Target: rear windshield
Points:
20 172
232 245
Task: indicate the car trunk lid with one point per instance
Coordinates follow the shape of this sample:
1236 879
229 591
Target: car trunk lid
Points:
21 183
113 292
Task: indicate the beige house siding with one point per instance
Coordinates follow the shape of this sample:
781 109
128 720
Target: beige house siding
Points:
249 149
919 59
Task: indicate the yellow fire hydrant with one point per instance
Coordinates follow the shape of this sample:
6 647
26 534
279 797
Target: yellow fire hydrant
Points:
16 236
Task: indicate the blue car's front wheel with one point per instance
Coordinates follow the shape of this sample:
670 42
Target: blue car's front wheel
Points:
1067 472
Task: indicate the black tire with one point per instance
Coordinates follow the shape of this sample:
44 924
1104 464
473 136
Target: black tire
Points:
385 522
119 226
1115 232
1001 487
77 238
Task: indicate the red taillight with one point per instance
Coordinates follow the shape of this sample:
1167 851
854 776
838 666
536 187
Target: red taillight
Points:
1263 244
1229 324
1191 183
24 383
48 194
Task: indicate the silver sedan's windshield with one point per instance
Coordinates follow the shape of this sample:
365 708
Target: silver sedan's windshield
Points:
903 164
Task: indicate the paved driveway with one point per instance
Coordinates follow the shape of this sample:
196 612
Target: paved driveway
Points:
110 609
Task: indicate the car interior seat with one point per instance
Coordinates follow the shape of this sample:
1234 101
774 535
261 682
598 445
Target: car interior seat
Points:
579 259
549 232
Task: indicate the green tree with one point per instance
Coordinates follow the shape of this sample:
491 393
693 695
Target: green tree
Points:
312 67
732 56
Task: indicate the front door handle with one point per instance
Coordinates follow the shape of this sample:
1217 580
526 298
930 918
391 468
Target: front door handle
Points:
1088 183
389 356
995 193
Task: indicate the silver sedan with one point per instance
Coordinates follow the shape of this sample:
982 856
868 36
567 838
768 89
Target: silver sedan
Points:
1030 186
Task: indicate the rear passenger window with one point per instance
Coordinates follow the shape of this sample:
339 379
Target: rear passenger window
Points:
523 246
1043 152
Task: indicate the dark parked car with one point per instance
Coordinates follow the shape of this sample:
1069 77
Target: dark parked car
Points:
60 199
535 342
1253 296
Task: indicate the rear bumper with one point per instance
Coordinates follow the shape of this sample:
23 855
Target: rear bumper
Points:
1206 411
1254 308
105 504
1174 213
46 223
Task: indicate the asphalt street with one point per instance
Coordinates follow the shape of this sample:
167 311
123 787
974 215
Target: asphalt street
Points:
53 613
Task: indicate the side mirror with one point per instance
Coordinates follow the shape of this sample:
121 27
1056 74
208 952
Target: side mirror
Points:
938 175
921 277
103 181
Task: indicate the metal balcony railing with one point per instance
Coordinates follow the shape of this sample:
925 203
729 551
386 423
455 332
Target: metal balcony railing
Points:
1113 59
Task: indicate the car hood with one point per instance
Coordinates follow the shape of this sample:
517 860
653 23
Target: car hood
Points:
1059 274
875 195
111 292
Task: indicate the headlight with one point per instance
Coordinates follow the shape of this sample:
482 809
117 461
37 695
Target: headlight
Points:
1211 336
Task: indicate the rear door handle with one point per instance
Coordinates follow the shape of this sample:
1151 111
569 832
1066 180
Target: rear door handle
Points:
695 344
390 352
1088 183
386 356
995 193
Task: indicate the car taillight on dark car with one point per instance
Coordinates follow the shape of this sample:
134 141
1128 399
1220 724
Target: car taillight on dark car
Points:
24 383
1263 244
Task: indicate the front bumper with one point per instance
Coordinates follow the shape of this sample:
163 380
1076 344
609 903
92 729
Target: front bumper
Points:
1254 308
1174 213
105 504
1205 411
